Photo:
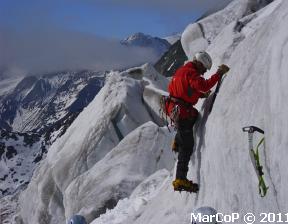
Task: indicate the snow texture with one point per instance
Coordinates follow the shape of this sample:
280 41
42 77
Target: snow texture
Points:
8 84
88 161
197 36
139 197
253 93
19 154
80 177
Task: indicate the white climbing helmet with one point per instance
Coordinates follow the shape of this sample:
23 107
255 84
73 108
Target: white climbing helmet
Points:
204 58
199 213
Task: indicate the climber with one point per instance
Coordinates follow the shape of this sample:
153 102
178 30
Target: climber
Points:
185 89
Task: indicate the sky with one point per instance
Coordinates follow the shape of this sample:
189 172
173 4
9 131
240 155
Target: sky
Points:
38 35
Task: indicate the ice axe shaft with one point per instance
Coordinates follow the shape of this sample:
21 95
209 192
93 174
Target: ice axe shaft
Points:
216 93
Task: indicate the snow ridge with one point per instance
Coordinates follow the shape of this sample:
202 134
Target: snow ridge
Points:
82 157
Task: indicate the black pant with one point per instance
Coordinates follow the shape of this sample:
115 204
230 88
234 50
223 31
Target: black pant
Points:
185 140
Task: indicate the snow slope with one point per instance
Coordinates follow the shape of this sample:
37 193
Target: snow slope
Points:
197 36
19 154
7 84
110 152
143 193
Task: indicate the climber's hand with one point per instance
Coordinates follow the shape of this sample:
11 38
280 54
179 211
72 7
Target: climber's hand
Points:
222 69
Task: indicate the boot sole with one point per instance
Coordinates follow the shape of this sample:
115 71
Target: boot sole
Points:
180 189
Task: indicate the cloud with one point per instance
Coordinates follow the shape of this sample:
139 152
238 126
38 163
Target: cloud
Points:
34 42
51 49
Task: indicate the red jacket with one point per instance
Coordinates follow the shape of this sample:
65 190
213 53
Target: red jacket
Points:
187 84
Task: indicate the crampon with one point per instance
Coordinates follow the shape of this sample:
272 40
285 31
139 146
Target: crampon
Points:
185 185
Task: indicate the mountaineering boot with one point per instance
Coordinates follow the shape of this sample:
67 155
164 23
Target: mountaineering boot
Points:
174 146
185 185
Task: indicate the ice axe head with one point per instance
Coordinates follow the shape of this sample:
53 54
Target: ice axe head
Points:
252 129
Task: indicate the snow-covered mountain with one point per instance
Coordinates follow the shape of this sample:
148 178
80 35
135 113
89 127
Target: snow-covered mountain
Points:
114 163
49 103
172 39
34 112
19 153
171 60
160 46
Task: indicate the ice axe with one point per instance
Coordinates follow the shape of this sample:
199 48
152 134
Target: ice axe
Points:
254 155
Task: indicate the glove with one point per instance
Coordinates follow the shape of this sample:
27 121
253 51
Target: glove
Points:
222 69
207 94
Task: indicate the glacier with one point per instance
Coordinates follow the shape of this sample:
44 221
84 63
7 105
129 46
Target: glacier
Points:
114 163
90 151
